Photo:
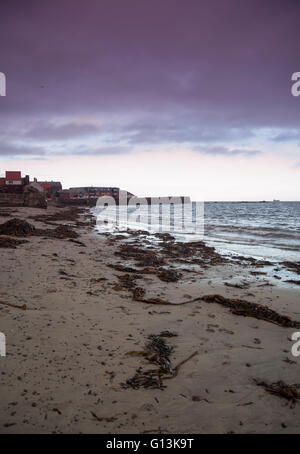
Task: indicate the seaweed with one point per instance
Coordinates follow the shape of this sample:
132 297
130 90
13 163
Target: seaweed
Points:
258 311
158 352
281 389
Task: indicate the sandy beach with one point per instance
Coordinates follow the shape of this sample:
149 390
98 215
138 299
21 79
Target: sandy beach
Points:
69 353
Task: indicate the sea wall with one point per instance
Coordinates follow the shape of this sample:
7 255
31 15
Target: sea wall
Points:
11 200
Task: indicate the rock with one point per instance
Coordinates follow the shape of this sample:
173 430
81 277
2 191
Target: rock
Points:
34 196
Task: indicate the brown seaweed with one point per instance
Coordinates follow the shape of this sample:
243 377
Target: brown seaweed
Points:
10 243
258 311
281 389
158 352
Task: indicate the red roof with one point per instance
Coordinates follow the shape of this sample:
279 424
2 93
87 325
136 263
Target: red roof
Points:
14 176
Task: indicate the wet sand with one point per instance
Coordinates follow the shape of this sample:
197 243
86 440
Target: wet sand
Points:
66 353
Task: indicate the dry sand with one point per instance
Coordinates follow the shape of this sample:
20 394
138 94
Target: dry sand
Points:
66 354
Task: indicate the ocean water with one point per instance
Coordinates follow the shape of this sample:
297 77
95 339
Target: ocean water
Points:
269 230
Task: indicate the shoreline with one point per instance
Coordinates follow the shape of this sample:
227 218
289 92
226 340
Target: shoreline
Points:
67 353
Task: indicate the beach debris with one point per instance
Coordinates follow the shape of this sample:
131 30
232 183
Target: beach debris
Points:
60 232
241 260
281 389
79 243
126 282
19 227
125 269
167 334
164 274
10 243
141 256
102 418
251 346
293 281
242 286
241 307
16 227
168 275
136 353
164 236
292 266
194 252
178 366
138 292
70 215
158 352
237 307
245 404
137 232
162 302
289 361
23 307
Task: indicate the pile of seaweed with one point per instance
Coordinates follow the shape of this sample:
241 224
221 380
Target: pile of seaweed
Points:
157 352
281 389
292 266
141 256
61 232
245 261
70 215
164 274
10 243
194 253
237 306
19 227
16 227
241 307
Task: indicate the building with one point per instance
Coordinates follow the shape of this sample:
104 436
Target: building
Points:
14 178
87 195
51 188
16 190
88 192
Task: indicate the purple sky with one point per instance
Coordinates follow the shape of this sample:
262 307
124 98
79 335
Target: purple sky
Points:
164 96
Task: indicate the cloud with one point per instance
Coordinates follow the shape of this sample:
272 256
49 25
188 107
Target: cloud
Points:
149 74
10 150
223 151
50 131
179 129
163 57
287 135
101 151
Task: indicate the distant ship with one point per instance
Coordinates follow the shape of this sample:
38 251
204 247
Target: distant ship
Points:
275 200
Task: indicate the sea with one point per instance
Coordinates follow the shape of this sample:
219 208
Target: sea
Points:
264 230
